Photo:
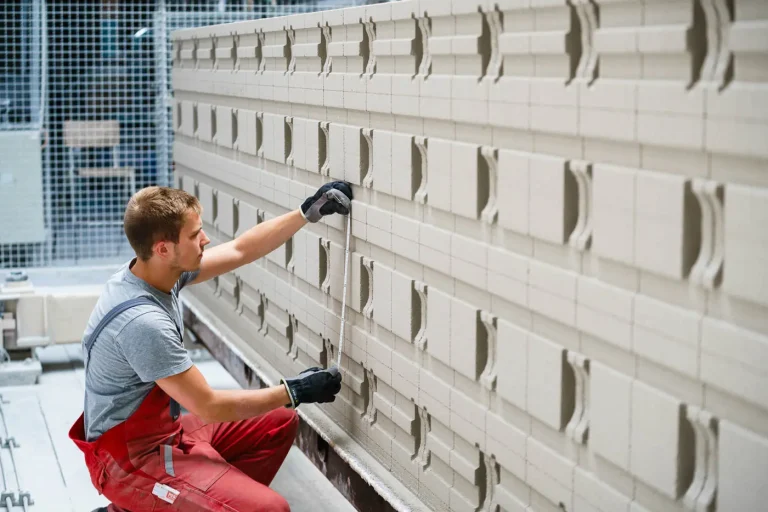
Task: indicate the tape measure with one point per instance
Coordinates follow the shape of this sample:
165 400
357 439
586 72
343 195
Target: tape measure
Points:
344 292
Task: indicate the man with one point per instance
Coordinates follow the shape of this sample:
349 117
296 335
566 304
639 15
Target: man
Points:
141 454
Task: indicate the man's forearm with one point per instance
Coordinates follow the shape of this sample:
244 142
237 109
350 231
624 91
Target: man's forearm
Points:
267 236
237 404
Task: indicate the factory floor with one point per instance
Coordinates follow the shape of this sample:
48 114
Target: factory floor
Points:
52 470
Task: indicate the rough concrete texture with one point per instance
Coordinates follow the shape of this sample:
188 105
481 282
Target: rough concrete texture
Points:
559 287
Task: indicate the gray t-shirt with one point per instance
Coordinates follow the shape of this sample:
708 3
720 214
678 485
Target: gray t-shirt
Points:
138 347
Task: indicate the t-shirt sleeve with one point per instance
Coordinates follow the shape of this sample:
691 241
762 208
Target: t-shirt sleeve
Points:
151 344
186 278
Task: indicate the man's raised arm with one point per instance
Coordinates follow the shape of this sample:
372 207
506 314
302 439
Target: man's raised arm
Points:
260 240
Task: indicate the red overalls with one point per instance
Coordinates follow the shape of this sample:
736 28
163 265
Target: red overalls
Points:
156 462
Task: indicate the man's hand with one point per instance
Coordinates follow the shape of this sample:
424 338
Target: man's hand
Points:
334 197
313 385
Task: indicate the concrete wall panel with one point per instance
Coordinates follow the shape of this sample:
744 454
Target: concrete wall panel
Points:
558 281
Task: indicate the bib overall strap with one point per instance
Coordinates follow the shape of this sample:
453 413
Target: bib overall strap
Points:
111 315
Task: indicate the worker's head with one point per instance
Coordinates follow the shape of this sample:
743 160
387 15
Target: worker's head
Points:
164 225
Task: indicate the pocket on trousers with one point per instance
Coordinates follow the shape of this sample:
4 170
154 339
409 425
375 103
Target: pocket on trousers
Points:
200 468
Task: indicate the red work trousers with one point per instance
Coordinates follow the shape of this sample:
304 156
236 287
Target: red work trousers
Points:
153 462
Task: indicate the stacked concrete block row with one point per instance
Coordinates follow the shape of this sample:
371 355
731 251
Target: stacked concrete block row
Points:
557 280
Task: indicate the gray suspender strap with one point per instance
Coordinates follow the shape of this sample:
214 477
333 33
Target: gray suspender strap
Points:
111 315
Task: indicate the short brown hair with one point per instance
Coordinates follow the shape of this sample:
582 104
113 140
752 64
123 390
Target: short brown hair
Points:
154 214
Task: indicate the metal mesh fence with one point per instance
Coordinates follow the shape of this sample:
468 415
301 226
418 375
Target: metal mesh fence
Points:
21 65
22 99
89 82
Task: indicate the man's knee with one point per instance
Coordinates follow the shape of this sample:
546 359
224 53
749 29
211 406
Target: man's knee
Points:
294 421
273 502
289 421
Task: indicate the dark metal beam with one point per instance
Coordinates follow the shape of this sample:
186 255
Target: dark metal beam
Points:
348 482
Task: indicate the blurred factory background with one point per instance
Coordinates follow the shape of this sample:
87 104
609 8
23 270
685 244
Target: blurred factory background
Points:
85 116
85 120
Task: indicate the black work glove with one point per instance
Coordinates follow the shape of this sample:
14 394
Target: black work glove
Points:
333 197
313 385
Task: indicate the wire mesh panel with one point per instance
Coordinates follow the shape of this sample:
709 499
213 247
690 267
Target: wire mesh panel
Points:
22 64
100 122
22 93
91 78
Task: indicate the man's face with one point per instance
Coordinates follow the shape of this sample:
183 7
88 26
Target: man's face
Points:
188 252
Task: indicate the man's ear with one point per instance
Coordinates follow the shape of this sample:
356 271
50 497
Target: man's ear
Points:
162 249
